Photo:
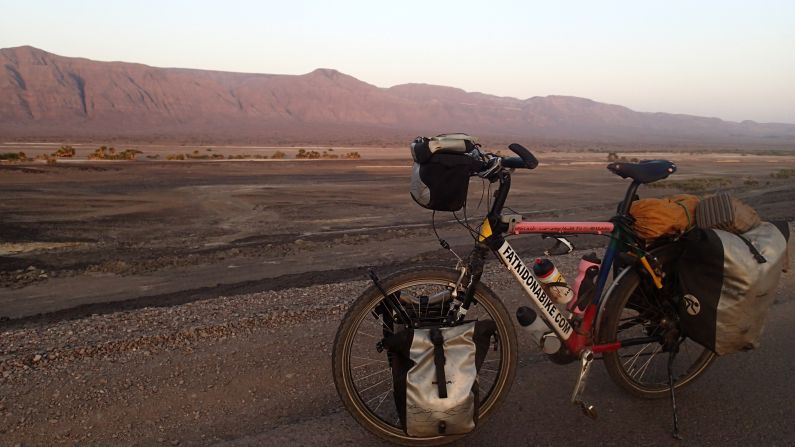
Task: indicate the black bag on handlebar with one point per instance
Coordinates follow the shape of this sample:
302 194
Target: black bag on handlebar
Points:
441 171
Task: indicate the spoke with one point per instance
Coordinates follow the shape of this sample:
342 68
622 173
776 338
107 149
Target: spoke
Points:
627 365
374 385
383 325
489 370
373 374
382 400
645 366
369 359
368 335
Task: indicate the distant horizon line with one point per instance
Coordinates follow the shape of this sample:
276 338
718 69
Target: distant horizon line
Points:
749 121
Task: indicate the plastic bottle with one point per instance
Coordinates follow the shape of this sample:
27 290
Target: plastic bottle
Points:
585 284
553 281
532 323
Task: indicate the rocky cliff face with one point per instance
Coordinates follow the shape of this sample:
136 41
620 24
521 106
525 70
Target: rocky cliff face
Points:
43 94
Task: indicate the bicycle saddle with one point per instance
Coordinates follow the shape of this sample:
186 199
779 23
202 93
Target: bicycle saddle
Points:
647 171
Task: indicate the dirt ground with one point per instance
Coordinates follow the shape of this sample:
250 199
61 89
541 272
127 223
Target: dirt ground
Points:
78 234
194 303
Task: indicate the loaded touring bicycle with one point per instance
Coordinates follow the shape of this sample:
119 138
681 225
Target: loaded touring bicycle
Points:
425 355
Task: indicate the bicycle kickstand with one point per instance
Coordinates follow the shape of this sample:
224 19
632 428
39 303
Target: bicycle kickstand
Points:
671 356
586 357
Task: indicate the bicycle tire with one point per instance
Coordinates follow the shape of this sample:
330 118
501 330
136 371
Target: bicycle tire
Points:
629 302
343 370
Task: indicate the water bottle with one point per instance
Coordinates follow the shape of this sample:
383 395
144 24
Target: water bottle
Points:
542 335
585 284
552 281
532 323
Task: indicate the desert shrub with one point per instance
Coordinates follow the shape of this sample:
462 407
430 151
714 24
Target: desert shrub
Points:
278 155
64 152
612 156
352 156
218 156
303 153
153 157
694 184
330 156
129 154
13 156
175 157
783 173
109 153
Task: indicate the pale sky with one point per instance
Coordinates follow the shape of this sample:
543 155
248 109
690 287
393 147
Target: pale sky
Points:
729 59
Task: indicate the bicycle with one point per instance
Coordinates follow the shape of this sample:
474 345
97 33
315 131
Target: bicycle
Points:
631 324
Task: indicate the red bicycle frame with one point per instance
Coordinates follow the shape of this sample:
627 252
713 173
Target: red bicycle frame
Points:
573 332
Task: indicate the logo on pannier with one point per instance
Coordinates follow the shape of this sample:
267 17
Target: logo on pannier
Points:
692 306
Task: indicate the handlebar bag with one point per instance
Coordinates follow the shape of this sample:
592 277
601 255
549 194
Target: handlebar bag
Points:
435 376
442 183
422 149
728 282
441 171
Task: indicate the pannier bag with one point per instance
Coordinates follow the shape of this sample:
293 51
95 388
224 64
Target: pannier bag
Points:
441 171
727 213
434 373
728 282
668 216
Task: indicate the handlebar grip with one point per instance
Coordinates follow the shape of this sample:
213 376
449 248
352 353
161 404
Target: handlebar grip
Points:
529 160
514 163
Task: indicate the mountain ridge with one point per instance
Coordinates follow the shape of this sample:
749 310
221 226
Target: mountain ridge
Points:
46 95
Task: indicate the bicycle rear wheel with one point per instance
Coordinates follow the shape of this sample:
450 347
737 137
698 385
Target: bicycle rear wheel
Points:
636 309
362 373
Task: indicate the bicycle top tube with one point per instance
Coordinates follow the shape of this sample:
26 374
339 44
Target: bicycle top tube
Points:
562 228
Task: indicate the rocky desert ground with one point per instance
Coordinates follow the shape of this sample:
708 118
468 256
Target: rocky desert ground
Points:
195 302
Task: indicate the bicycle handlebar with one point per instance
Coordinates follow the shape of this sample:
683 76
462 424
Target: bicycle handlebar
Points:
525 160
514 163
529 161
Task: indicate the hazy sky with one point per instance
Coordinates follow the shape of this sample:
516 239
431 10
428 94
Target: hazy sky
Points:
730 59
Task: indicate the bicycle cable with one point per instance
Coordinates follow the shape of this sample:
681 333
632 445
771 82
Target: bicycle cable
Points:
443 242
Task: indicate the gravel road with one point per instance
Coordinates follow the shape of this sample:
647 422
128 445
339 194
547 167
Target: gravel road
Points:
254 369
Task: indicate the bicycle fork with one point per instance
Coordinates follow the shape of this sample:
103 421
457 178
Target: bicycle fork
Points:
586 358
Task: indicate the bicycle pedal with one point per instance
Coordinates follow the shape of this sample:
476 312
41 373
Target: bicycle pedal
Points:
589 410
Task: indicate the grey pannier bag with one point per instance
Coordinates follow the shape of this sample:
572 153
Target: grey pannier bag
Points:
727 283
435 376
441 171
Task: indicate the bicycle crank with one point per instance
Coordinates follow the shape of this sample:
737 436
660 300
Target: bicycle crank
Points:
586 358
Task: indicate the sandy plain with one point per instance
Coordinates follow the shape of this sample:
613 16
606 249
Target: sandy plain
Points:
193 302
82 233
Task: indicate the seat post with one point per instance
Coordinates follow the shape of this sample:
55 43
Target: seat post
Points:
623 209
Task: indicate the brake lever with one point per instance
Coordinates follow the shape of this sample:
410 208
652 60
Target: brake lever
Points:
495 164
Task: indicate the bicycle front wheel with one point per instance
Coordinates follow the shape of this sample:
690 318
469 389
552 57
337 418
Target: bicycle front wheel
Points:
636 309
362 372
